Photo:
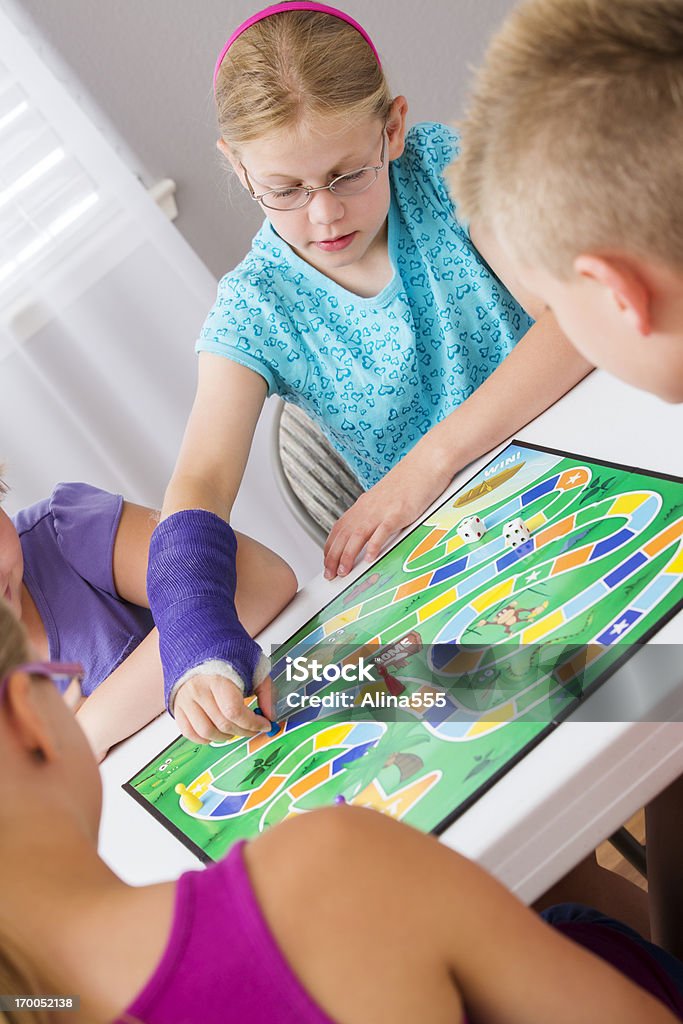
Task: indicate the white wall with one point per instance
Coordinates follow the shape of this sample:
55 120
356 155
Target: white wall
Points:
146 65
142 70
97 366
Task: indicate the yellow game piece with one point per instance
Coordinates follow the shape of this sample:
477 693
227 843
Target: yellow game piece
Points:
188 801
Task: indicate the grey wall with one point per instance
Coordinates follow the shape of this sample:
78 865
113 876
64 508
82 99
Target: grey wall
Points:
144 67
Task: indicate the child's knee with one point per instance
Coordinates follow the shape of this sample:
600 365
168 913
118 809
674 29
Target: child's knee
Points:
284 581
278 584
265 584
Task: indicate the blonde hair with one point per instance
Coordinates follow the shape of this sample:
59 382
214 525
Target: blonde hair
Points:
573 140
16 975
293 68
13 641
16 979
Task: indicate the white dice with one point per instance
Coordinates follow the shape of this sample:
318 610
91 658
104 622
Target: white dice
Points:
471 529
515 533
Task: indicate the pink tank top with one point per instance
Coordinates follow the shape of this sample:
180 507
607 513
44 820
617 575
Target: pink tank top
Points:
221 964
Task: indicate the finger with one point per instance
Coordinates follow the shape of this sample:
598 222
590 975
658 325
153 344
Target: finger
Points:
379 540
207 720
266 699
354 545
331 538
232 713
183 723
337 545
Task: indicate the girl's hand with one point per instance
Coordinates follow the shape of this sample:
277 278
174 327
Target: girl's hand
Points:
542 367
211 709
393 503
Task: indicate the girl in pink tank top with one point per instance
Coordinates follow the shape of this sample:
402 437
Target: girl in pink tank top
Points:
342 915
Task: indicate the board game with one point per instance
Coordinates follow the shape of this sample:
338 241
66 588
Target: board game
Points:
477 651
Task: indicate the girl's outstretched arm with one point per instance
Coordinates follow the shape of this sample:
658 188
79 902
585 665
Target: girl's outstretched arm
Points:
392 925
218 437
541 368
191 577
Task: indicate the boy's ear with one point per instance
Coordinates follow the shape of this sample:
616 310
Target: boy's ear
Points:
629 290
396 127
30 724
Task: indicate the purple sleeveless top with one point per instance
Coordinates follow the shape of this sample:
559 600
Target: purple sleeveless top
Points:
68 542
221 964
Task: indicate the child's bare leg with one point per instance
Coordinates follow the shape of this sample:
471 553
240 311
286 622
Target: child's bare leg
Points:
664 830
380 922
134 693
603 890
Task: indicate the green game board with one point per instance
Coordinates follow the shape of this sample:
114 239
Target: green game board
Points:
491 647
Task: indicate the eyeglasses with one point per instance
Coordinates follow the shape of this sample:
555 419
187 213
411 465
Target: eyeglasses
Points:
57 671
294 198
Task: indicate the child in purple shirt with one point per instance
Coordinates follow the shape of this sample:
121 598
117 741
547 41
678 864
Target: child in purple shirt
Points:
337 915
73 568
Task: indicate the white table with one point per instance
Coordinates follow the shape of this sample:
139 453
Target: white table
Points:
583 780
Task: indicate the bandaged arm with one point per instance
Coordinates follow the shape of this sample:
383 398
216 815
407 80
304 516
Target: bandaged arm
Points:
191 582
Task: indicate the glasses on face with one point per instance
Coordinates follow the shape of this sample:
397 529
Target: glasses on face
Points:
293 198
59 672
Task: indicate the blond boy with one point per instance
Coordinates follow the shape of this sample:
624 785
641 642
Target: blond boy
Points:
572 163
572 157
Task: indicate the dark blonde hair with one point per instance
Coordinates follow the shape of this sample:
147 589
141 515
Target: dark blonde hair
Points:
573 140
16 976
16 979
293 68
13 641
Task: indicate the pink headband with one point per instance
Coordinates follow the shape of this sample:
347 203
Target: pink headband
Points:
282 9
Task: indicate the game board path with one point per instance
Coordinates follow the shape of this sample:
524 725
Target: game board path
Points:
638 508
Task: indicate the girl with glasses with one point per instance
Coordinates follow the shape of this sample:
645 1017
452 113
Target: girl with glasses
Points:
341 915
72 567
363 300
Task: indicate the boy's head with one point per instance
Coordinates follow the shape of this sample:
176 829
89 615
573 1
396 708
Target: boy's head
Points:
572 154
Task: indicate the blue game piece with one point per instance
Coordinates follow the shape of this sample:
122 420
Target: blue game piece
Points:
339 799
275 726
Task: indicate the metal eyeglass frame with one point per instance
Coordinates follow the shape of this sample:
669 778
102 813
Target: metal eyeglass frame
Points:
308 191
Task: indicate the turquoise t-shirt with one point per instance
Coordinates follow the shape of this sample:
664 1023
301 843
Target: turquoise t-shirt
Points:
374 373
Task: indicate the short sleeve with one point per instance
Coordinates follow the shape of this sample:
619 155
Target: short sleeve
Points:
430 148
85 521
238 326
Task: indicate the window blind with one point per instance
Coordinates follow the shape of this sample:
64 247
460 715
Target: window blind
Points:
48 201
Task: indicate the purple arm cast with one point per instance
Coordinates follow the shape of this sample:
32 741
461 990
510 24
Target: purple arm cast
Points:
191 583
